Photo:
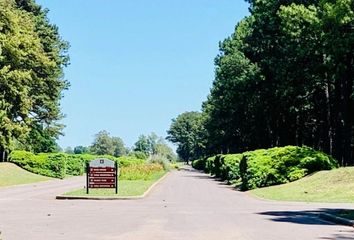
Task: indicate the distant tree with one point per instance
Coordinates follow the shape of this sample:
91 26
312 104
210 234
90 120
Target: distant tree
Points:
187 132
80 150
162 149
119 148
152 144
153 140
142 145
103 144
69 150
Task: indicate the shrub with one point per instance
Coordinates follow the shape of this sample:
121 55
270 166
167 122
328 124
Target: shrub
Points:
140 172
51 165
138 155
231 167
209 164
159 159
199 164
59 165
125 161
75 164
283 164
266 167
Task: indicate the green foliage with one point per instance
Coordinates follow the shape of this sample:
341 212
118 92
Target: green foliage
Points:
104 144
39 139
138 154
266 167
143 145
199 164
281 165
32 57
140 172
152 146
160 159
59 165
75 164
260 99
187 131
81 150
119 148
126 161
51 165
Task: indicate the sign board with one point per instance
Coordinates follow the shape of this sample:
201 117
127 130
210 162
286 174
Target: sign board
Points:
102 173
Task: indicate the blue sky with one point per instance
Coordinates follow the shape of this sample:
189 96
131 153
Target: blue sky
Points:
137 64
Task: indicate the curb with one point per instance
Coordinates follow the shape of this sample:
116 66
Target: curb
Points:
335 219
64 197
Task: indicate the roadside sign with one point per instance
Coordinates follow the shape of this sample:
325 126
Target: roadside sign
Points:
102 173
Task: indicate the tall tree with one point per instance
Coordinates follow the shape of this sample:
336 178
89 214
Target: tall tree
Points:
285 77
32 56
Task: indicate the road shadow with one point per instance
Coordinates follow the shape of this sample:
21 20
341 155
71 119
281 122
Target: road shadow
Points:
298 217
302 217
204 176
341 235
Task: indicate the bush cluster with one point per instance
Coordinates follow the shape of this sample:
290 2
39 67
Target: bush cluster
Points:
60 165
51 165
266 167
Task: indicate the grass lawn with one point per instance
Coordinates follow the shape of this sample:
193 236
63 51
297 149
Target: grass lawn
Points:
125 188
10 174
325 186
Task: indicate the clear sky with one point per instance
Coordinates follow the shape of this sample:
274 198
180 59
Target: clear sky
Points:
136 64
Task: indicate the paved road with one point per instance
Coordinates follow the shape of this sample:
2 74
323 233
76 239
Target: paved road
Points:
186 205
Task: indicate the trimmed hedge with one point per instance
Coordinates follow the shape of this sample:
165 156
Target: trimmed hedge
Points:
53 165
59 165
266 167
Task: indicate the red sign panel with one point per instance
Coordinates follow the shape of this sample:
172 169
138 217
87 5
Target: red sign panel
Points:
101 169
102 174
102 185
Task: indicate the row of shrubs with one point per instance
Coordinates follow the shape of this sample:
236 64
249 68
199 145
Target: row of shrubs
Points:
266 167
60 165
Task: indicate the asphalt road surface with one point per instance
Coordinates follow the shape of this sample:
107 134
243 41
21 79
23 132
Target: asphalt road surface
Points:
186 205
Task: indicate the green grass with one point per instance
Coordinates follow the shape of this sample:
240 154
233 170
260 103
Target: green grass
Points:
10 175
335 186
126 188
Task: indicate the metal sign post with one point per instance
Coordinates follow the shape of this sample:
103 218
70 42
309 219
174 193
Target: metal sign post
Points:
102 173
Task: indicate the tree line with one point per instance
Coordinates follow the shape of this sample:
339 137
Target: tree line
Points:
146 146
284 77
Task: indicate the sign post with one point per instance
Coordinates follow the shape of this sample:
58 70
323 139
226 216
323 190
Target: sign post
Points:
102 173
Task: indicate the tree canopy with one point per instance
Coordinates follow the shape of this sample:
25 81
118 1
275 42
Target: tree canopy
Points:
32 57
104 144
187 132
284 77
